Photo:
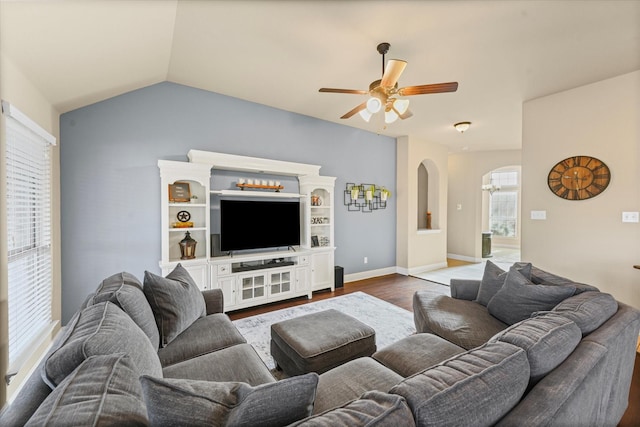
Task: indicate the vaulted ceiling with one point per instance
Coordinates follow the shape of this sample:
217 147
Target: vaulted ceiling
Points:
279 53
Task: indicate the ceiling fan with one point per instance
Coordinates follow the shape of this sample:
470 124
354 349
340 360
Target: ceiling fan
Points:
384 93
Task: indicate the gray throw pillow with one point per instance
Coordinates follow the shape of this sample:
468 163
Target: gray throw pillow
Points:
197 403
541 277
547 339
475 388
101 329
373 408
102 391
493 278
125 290
519 298
175 300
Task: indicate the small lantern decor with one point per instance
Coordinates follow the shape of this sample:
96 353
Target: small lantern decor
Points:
188 247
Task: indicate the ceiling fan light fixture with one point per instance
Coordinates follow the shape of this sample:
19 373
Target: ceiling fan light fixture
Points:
401 106
374 105
390 115
462 126
366 115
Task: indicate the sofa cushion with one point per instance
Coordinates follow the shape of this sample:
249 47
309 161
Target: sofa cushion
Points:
374 408
203 403
519 298
415 353
548 341
475 388
541 277
175 300
101 329
493 278
206 334
238 363
101 391
588 309
349 381
125 290
464 323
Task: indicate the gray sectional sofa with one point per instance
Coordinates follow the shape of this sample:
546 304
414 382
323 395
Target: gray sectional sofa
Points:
493 353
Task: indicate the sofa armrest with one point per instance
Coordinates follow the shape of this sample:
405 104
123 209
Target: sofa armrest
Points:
466 289
214 300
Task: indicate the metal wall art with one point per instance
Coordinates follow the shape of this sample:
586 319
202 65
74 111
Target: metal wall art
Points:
365 197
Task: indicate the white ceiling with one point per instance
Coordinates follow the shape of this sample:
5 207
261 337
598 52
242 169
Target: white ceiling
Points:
279 53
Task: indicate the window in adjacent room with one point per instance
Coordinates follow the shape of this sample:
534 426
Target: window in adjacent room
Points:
503 209
28 204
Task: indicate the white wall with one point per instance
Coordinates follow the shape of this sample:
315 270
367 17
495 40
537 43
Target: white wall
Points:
420 250
16 89
466 170
585 240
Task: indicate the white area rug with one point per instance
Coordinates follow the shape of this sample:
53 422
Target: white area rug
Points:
390 322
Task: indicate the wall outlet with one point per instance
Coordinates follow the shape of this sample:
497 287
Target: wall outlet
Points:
630 217
366 260
538 214
459 206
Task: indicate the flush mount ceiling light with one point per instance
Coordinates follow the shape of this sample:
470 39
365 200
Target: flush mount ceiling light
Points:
385 92
462 126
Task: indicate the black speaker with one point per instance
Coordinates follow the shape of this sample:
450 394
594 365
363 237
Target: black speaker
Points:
215 245
339 276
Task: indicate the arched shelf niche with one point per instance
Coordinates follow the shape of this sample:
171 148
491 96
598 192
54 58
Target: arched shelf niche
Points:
428 194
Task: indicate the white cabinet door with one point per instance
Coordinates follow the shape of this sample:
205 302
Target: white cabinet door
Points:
251 288
281 283
199 273
228 286
322 270
302 279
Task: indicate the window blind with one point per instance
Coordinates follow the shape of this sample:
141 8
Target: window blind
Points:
30 275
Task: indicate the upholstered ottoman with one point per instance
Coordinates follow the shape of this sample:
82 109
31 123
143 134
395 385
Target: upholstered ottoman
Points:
320 341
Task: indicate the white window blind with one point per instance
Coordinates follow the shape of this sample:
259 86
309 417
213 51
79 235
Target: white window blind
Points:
30 278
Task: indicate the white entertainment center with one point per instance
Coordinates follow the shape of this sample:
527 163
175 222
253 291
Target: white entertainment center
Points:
249 278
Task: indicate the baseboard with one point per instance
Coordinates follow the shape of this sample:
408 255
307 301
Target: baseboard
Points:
353 277
464 258
428 267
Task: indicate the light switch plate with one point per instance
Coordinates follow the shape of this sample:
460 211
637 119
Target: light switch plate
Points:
630 217
538 214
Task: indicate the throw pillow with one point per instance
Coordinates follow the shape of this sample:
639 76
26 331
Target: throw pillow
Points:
493 278
519 298
541 277
99 330
125 290
101 391
475 388
175 300
204 403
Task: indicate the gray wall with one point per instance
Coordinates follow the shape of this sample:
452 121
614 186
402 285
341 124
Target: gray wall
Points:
110 182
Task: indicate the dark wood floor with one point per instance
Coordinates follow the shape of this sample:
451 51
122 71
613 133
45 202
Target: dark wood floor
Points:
398 290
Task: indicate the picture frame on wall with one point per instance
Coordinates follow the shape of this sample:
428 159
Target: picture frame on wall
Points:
179 192
314 241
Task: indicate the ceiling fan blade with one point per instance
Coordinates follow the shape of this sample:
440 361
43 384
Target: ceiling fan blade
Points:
395 67
355 110
426 89
353 91
406 115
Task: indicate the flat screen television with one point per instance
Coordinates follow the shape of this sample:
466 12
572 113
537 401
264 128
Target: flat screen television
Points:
251 224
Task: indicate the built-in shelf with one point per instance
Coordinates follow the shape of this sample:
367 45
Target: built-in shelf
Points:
245 193
188 205
174 229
